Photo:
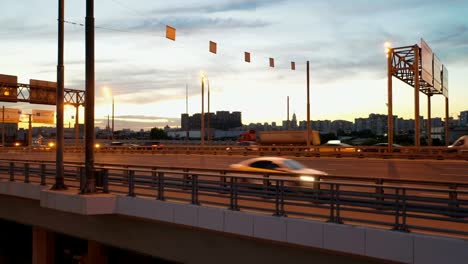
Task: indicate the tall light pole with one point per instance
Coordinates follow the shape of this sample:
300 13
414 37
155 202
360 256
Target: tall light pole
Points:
59 177
112 134
287 110
186 111
308 107
29 131
389 52
202 130
209 114
77 128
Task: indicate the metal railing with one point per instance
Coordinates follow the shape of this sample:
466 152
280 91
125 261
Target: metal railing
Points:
402 205
439 153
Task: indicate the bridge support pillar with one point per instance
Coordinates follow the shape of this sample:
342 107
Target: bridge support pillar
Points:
43 246
96 254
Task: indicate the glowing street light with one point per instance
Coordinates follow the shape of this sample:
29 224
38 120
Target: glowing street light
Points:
387 46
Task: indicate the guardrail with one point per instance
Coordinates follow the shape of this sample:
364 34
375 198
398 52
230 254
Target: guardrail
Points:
438 153
402 205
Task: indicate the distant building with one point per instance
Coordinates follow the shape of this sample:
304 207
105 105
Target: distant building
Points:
294 122
323 126
223 120
341 125
463 119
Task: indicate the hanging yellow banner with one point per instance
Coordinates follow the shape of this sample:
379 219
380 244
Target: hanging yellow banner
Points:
43 116
10 115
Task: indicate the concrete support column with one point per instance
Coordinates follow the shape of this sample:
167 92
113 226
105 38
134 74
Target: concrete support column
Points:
43 246
96 254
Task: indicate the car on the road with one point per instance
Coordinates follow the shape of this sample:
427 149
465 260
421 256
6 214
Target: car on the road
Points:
280 165
337 146
244 145
460 144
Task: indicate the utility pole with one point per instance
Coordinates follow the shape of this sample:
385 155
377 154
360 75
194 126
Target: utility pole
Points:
287 106
112 135
29 131
59 177
209 114
202 130
77 128
186 111
90 183
417 129
3 126
108 129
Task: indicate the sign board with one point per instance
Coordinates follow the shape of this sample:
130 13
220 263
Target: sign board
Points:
10 115
437 74
43 116
42 92
426 63
445 76
8 88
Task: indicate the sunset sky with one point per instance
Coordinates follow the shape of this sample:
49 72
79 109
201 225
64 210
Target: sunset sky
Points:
148 74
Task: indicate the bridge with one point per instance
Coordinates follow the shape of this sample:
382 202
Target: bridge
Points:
160 203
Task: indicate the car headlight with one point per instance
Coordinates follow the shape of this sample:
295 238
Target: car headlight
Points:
51 144
97 145
307 178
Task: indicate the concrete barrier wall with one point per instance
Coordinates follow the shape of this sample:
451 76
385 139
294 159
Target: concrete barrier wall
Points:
357 240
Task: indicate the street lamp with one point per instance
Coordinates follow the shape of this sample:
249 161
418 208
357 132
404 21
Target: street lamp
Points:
387 46
202 130
388 52
108 93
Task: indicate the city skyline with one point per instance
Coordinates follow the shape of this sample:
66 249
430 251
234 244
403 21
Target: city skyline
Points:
148 74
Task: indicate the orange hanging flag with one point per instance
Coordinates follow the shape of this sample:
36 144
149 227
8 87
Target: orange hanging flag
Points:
213 47
170 33
272 62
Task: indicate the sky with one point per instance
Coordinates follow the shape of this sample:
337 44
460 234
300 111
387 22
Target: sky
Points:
149 75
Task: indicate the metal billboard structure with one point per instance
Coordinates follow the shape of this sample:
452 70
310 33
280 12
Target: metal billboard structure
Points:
8 88
39 92
421 69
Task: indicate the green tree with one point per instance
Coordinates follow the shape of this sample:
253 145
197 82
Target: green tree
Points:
157 133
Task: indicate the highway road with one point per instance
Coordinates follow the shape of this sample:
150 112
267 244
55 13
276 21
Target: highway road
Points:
433 170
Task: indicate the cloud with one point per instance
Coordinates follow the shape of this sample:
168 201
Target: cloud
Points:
137 122
217 7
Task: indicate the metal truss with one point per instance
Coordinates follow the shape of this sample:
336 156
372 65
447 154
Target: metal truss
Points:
403 68
71 96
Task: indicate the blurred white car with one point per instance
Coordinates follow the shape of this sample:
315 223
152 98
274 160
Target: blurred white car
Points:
279 165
